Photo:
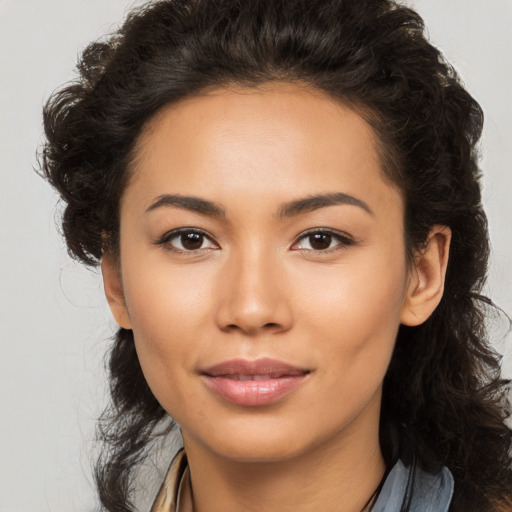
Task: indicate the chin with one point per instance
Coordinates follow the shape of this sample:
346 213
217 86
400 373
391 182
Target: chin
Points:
259 451
253 440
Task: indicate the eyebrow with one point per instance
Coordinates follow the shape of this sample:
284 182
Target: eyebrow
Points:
311 203
191 203
291 209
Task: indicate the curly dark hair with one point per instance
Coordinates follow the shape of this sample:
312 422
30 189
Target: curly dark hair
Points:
443 382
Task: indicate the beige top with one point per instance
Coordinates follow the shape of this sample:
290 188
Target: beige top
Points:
174 494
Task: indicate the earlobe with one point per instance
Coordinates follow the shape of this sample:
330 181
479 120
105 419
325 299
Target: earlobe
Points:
113 287
426 281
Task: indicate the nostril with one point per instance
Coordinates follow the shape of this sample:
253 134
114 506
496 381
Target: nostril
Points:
246 328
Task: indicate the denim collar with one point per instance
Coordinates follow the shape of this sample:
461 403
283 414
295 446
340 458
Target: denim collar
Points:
408 488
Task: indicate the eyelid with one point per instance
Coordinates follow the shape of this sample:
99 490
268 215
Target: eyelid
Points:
345 240
165 239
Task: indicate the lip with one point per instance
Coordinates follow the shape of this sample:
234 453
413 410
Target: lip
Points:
253 383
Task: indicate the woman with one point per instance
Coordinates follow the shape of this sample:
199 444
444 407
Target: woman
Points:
284 199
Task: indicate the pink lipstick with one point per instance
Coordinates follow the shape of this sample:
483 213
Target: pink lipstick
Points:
253 383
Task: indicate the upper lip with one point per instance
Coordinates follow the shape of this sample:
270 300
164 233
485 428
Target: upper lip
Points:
264 366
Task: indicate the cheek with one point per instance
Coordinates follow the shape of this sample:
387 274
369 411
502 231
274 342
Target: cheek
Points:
169 309
354 313
365 292
160 294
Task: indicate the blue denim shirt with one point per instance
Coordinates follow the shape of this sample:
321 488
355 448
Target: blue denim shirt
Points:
410 489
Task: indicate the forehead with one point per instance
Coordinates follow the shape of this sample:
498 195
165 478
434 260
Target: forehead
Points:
274 140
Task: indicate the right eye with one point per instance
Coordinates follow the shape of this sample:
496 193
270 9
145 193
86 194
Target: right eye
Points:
187 240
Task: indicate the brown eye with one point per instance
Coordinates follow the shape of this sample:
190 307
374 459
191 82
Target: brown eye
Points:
322 241
191 241
187 240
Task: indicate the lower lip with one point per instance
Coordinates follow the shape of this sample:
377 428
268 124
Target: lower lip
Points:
253 393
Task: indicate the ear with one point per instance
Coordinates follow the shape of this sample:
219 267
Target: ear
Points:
113 286
426 279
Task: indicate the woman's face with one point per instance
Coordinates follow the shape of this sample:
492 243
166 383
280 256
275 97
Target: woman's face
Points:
263 270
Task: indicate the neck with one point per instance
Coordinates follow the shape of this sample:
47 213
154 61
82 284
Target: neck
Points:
339 475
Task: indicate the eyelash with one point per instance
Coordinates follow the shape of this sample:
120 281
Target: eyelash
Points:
343 240
165 241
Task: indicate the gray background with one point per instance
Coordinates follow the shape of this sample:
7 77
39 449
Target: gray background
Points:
54 325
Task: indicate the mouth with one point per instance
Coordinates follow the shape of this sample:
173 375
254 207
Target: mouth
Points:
253 383
267 376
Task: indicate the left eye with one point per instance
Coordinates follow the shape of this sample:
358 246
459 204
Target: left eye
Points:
321 241
188 240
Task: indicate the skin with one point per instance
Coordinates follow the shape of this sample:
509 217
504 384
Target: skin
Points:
255 288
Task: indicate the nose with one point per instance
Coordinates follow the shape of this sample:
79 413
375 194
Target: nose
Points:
254 295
